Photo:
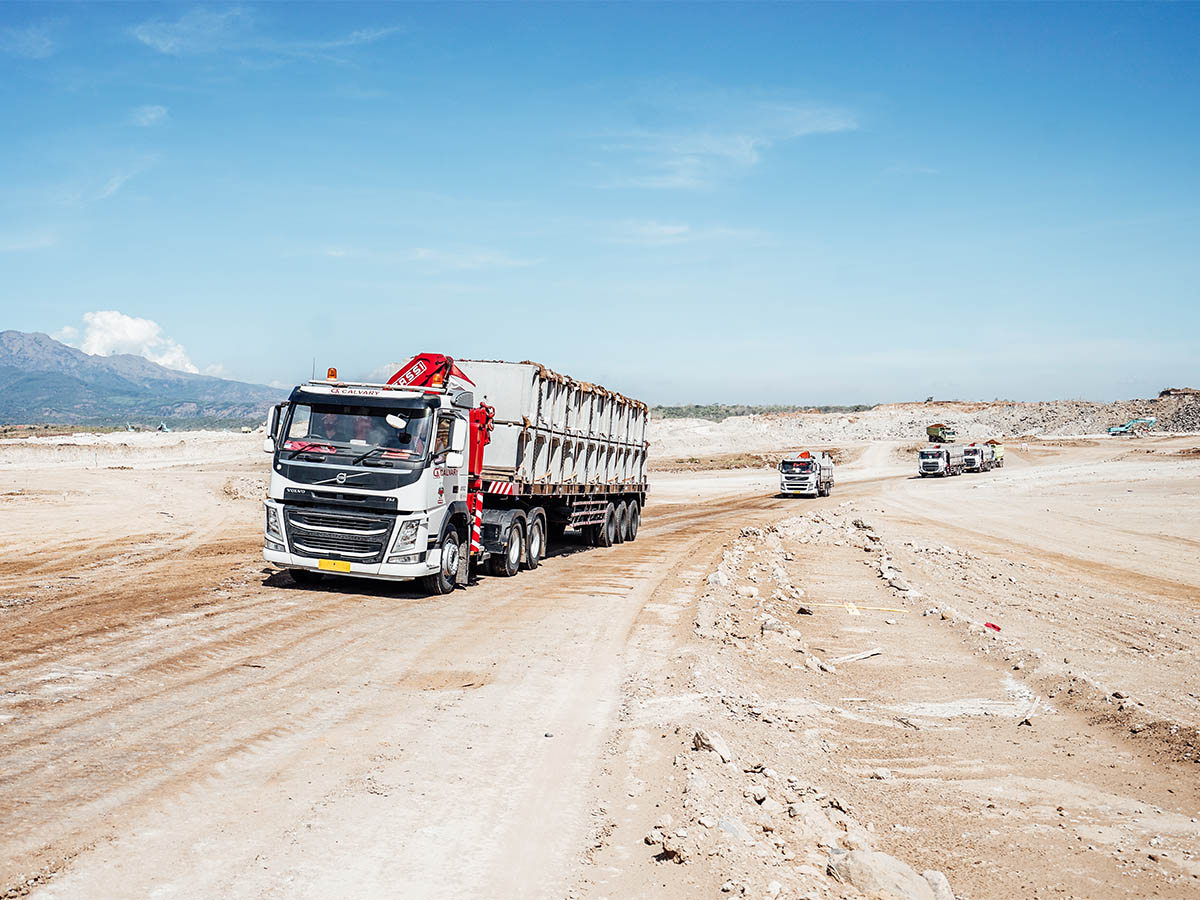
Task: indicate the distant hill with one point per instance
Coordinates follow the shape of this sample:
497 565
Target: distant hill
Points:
42 380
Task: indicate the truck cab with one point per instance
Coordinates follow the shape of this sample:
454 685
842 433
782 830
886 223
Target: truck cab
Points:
978 457
367 480
806 473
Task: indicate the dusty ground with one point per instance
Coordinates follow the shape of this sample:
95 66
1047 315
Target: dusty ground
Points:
179 720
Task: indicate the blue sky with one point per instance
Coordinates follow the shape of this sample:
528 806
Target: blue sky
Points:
828 203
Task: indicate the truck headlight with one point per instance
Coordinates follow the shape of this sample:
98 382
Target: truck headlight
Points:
407 535
273 527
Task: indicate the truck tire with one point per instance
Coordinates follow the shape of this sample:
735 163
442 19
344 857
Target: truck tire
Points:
829 489
605 532
508 563
444 579
305 578
535 543
635 521
622 523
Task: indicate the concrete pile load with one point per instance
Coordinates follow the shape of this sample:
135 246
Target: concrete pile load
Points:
552 430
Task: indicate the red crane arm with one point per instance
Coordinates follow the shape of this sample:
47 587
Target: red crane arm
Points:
428 370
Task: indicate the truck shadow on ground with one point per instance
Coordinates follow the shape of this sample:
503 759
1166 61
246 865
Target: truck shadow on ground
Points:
403 590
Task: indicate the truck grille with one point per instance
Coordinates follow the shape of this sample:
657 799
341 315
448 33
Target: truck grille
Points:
350 536
802 483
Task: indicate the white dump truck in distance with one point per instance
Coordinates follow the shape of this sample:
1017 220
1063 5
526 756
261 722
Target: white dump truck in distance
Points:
444 468
807 472
979 457
940 459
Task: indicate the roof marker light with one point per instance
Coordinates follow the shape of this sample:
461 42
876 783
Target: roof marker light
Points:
331 375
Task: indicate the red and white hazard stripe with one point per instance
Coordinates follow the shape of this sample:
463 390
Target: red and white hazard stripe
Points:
506 488
477 521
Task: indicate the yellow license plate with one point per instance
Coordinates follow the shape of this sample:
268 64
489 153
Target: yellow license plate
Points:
333 565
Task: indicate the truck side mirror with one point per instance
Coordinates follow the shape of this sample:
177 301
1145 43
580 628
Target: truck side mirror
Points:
273 419
455 460
458 436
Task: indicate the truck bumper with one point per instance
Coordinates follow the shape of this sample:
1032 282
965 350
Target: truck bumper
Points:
419 561
802 486
384 571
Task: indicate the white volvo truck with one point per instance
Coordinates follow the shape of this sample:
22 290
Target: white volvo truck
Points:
444 468
806 473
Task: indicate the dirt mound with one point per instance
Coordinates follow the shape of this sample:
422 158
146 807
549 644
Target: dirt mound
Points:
675 438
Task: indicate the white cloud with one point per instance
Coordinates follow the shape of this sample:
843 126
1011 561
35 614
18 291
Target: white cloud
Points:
202 30
463 258
909 169
114 184
145 116
29 42
653 233
106 332
698 155
34 240
468 259
663 234
196 31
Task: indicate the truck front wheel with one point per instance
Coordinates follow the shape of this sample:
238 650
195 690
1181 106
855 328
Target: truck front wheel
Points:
443 580
507 563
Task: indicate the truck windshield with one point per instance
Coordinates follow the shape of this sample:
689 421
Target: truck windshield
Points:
801 466
398 438
931 454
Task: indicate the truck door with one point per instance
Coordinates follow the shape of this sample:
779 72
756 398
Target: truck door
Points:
445 481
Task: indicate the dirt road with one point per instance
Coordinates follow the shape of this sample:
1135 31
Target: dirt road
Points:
180 721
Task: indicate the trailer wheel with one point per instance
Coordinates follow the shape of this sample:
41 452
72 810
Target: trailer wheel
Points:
634 521
508 563
443 580
304 577
622 529
606 531
535 544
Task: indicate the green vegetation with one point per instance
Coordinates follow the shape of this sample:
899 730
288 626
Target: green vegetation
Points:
718 411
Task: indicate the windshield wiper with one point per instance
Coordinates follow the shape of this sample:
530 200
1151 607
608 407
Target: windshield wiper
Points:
371 452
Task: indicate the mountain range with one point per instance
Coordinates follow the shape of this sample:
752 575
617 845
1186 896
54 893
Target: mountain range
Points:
43 380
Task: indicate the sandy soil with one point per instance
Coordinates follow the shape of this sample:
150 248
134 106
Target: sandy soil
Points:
180 720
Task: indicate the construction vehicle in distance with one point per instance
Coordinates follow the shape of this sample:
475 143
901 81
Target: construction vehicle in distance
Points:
940 460
442 469
941 434
997 453
806 473
1135 426
979 457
